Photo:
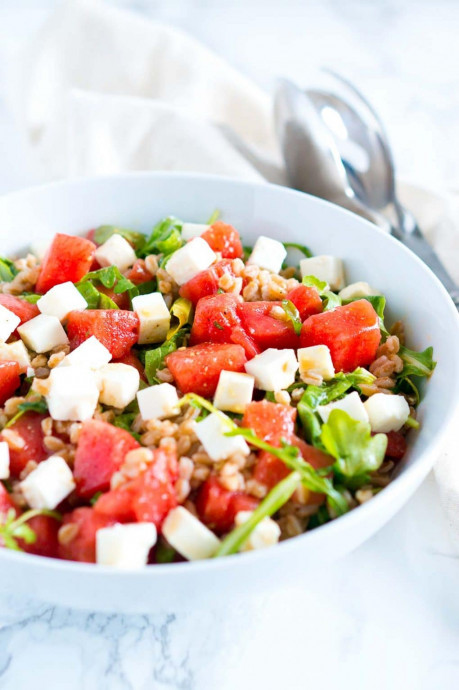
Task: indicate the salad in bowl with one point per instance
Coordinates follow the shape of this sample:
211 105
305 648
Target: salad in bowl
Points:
177 395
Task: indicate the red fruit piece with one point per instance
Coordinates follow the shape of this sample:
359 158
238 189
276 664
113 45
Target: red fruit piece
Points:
101 450
217 507
139 273
133 361
24 310
83 546
266 330
68 258
197 369
306 300
206 282
9 380
351 333
117 329
396 445
225 239
46 529
28 428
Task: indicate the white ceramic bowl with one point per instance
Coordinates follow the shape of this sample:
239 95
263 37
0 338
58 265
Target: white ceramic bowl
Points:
413 294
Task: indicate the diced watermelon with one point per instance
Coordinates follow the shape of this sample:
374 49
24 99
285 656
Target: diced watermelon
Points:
396 445
270 421
68 258
306 300
197 369
6 502
83 546
101 450
351 333
139 273
121 300
133 361
217 507
225 239
28 427
206 282
117 329
266 330
147 498
9 380
23 309
46 529
269 470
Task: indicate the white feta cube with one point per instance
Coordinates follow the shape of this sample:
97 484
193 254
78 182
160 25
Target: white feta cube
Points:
48 484
73 393
154 317
8 323
91 354
266 533
273 369
268 253
15 352
360 289
211 432
61 300
158 402
327 268
116 251
351 404
190 260
125 546
187 535
387 412
316 361
43 333
192 230
234 391
4 460
118 384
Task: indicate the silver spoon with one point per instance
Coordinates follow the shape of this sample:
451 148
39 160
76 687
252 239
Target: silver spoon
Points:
307 127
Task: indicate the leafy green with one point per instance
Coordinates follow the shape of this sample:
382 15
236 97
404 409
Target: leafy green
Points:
165 238
416 363
106 303
111 278
104 232
214 217
125 421
378 302
154 358
95 498
30 297
181 311
218 325
90 293
38 405
357 453
293 315
7 270
247 252
277 497
299 247
328 391
13 528
329 298
142 289
164 553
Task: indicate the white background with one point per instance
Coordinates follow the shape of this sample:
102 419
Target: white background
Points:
387 615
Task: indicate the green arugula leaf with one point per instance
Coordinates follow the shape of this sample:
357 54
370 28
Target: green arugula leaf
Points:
142 289
90 293
165 238
276 498
7 270
357 453
312 281
416 363
214 217
106 303
181 311
125 421
30 297
38 405
104 232
111 278
299 247
329 298
13 528
164 553
154 358
247 252
95 498
293 315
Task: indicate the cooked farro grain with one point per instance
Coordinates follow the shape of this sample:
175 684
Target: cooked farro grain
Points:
13 439
67 533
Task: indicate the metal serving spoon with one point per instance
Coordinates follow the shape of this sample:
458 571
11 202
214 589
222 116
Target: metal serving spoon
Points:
336 148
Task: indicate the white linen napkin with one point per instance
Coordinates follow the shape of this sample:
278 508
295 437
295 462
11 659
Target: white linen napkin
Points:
103 90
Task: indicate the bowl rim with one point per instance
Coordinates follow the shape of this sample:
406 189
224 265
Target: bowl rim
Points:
412 476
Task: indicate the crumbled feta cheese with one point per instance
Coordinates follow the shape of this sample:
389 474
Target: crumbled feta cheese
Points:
158 402
327 268
211 432
72 393
15 352
192 230
61 300
316 360
118 384
48 484
266 533
350 403
154 317
116 251
268 253
125 546
8 323
273 369
190 260
187 535
387 412
43 333
91 354
4 460
234 391
360 289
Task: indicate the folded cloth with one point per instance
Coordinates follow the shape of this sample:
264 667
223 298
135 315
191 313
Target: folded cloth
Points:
103 90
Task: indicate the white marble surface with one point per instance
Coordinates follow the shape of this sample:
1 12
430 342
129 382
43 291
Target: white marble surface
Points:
387 615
